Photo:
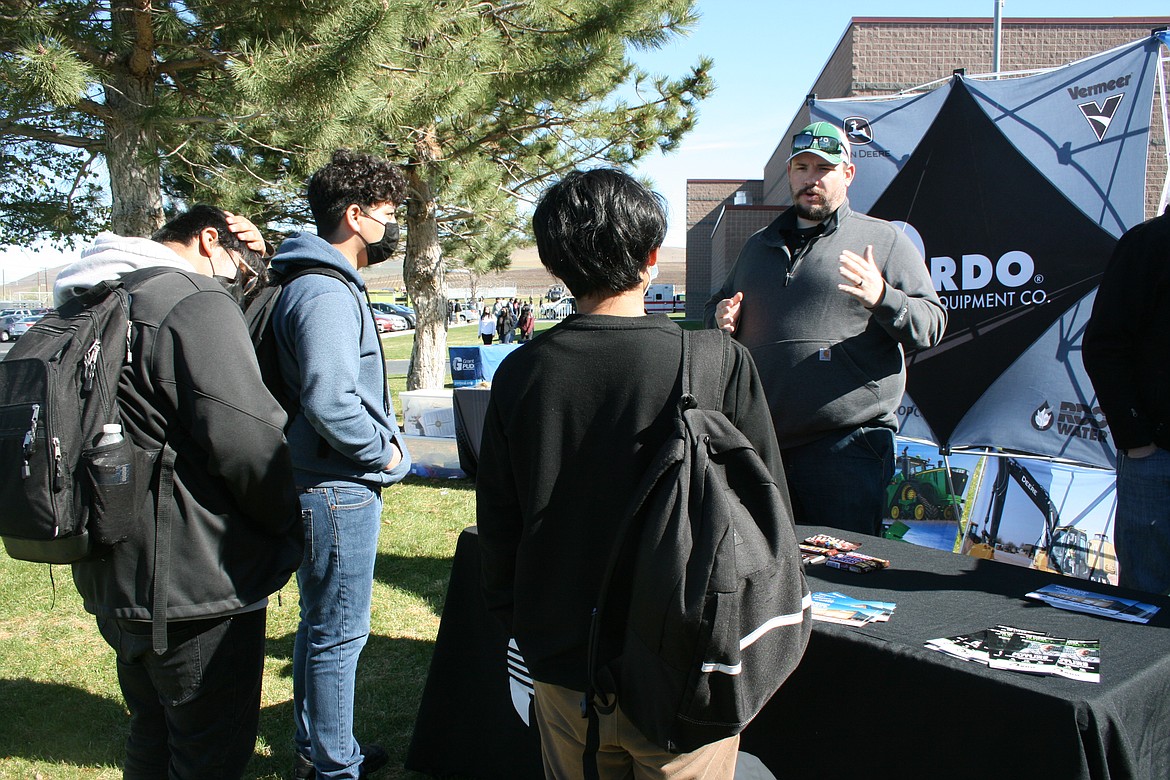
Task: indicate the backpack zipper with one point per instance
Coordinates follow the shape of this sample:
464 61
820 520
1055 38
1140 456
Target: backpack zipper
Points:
90 363
30 441
57 474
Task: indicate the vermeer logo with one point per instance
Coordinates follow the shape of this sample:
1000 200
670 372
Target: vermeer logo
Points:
1098 115
1099 89
1101 116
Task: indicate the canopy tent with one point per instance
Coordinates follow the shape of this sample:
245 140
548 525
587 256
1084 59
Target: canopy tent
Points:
1015 190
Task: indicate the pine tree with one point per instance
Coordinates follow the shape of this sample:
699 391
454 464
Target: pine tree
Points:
483 102
145 88
235 103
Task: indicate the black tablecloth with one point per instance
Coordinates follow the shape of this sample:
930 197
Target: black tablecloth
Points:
866 701
470 407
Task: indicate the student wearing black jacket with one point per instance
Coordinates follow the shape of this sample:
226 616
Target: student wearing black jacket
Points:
191 384
574 419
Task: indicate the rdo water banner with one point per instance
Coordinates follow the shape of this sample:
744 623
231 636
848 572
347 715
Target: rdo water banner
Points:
1015 191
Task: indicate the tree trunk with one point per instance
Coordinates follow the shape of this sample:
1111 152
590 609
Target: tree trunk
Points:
131 150
135 187
423 273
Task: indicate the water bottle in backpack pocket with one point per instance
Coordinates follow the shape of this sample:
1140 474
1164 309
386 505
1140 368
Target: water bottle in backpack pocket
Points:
112 480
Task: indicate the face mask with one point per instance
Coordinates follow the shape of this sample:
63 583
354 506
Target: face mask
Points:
382 250
236 286
653 272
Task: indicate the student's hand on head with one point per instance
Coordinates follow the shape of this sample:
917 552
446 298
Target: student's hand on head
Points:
247 232
862 278
727 313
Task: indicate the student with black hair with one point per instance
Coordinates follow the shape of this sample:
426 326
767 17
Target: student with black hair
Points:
574 419
345 446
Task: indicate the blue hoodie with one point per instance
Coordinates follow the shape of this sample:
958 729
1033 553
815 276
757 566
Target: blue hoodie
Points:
334 366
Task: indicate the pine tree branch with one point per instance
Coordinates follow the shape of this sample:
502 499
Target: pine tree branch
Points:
205 59
78 179
33 133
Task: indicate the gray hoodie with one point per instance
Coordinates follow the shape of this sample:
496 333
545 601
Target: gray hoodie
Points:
827 363
111 257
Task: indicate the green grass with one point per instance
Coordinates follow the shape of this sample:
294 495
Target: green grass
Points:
63 715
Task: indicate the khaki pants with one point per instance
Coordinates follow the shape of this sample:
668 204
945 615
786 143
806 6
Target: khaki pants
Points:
624 752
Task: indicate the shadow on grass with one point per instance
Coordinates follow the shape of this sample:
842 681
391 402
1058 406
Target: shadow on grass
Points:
426 578
41 723
389 686
466 484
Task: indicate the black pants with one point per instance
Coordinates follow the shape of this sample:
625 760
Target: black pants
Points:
195 709
840 480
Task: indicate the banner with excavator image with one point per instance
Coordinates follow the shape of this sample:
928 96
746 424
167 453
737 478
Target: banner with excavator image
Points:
1023 511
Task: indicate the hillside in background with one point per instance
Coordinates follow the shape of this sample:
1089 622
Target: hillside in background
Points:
527 275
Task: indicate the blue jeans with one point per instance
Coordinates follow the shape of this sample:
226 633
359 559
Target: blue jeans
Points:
194 709
336 582
1142 525
840 480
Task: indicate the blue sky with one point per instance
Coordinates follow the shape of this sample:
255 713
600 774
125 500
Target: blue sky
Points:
768 54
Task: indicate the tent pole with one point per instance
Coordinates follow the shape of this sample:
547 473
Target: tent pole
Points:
997 37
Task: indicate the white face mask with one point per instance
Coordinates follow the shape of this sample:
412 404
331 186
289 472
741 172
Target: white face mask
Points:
653 271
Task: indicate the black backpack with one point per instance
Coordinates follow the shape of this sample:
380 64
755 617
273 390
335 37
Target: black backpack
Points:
717 612
62 499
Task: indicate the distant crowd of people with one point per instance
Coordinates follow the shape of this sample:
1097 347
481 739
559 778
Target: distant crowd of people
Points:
508 321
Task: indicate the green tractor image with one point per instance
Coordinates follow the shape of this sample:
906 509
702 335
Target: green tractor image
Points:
921 491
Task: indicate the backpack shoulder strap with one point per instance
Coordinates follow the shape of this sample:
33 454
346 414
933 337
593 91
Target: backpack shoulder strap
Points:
704 372
324 270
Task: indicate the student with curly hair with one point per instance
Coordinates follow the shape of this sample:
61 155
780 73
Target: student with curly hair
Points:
345 446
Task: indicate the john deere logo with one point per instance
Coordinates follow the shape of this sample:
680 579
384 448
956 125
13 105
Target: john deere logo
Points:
1100 116
858 130
1043 418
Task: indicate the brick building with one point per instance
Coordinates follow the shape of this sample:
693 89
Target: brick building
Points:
878 56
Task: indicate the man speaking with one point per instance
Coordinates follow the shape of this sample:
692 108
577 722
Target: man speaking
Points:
826 299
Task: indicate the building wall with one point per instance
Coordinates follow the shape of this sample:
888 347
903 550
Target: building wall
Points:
881 56
706 199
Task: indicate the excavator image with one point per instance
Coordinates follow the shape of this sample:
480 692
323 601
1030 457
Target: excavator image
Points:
920 491
1061 549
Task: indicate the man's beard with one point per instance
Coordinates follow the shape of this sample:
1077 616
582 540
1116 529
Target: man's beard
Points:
817 213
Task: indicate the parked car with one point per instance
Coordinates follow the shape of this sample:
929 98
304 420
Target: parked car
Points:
466 314
389 322
405 312
21 326
560 309
22 311
7 323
